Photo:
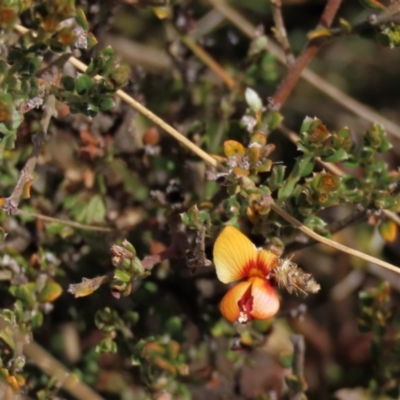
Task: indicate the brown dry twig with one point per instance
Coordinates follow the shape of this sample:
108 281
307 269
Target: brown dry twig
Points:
26 175
72 224
280 32
286 87
299 348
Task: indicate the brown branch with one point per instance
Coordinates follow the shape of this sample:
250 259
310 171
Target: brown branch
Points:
280 32
298 366
26 176
286 87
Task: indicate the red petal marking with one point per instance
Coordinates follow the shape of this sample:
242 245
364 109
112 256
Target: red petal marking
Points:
245 305
262 265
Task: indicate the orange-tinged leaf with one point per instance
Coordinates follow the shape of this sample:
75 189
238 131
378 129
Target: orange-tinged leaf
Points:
173 349
7 16
258 138
49 25
388 230
27 189
238 172
5 111
233 148
20 380
254 153
50 292
152 349
13 382
373 5
2 201
232 252
165 365
87 286
253 215
162 12
319 33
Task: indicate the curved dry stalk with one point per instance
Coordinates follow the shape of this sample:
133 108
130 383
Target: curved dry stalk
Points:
210 160
208 60
65 222
330 242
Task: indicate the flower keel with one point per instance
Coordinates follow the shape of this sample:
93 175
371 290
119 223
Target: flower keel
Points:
252 299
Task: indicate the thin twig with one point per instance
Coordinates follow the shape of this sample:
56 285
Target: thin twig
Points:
208 60
307 74
68 380
26 175
286 87
280 31
331 243
352 219
65 222
213 162
299 349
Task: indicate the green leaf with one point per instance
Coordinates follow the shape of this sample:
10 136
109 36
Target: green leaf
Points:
96 210
339 155
91 40
7 335
25 293
83 84
286 359
106 104
68 83
80 19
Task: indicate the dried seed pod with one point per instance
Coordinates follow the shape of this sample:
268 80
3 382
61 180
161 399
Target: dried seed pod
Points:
289 276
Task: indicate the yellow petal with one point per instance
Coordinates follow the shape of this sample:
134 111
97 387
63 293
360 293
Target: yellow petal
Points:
229 306
267 261
265 299
233 251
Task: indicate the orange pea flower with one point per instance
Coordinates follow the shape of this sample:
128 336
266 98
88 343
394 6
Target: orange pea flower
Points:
236 258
